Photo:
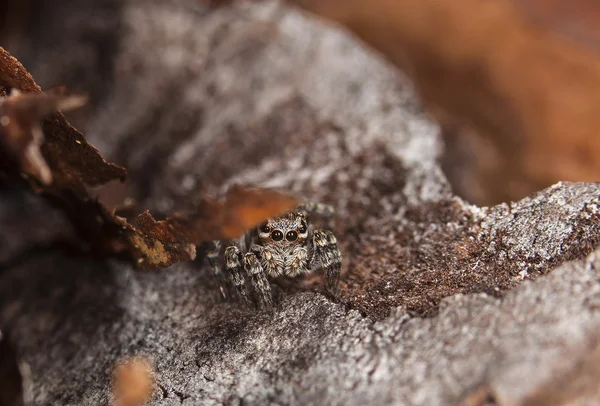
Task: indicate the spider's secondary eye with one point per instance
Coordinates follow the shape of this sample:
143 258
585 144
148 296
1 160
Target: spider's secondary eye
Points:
302 228
277 235
291 236
265 228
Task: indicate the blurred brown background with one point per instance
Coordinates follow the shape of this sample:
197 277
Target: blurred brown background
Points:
515 84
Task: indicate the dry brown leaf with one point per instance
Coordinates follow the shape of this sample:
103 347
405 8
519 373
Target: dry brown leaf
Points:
21 133
73 161
161 243
228 218
505 69
69 168
132 382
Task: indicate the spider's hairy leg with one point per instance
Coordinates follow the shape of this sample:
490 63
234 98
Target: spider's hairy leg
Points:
213 259
233 264
320 209
327 255
259 281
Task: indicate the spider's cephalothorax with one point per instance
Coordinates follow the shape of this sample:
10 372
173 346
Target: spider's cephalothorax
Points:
282 246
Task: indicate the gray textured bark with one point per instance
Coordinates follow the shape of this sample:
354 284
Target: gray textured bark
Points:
441 301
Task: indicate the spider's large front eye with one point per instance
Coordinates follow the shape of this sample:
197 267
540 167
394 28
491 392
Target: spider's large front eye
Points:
277 235
302 228
265 228
291 236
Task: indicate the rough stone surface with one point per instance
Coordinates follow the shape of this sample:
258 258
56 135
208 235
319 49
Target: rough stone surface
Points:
309 351
442 301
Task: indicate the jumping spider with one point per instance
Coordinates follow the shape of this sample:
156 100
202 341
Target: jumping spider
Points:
281 246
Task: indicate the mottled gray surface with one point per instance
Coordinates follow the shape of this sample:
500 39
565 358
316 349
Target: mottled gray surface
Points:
309 351
197 100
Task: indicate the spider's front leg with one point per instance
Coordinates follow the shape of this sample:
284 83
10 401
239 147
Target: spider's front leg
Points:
213 259
327 256
233 264
258 278
312 207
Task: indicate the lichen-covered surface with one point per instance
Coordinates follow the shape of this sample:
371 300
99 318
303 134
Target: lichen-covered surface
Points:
442 301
